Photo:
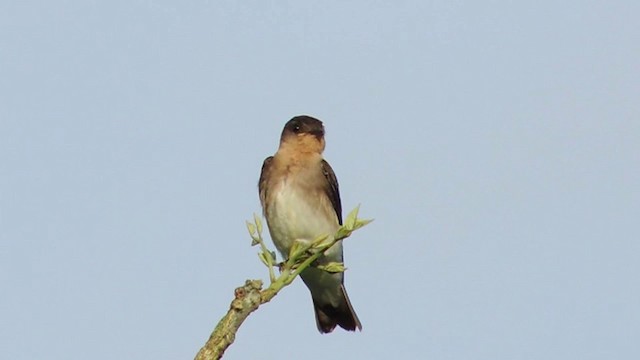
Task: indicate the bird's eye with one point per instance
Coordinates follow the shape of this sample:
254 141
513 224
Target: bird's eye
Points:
296 128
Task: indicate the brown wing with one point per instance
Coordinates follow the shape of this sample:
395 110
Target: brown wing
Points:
262 183
331 189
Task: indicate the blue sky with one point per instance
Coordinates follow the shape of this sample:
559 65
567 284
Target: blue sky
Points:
496 144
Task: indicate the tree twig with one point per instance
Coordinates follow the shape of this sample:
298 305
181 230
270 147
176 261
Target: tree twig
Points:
250 296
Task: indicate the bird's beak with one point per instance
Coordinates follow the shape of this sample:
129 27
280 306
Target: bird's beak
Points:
319 134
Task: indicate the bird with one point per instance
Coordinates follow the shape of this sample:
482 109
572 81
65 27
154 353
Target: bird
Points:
301 201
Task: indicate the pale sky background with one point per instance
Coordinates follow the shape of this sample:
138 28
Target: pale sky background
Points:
496 143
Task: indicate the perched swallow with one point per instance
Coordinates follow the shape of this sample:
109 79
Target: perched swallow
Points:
300 200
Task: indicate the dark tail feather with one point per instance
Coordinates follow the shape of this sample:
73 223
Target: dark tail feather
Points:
328 316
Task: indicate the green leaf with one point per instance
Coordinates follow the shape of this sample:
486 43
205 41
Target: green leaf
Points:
343 232
350 221
251 228
263 258
297 248
361 222
321 241
332 267
255 239
258 222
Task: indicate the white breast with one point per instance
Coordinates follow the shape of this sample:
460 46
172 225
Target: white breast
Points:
298 215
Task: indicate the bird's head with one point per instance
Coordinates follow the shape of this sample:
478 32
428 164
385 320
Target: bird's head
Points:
305 133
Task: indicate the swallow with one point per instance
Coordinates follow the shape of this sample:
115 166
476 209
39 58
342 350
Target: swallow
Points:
301 201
